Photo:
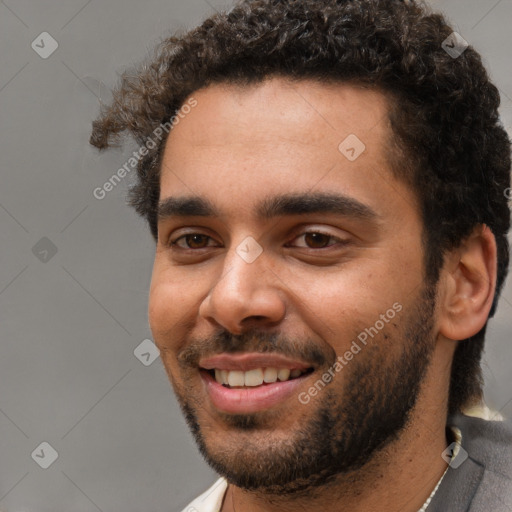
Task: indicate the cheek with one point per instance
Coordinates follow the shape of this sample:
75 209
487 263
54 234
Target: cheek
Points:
166 314
172 308
340 305
364 287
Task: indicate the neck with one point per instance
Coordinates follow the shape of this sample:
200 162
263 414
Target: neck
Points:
400 477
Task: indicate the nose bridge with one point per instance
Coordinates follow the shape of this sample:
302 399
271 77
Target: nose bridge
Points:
244 289
242 272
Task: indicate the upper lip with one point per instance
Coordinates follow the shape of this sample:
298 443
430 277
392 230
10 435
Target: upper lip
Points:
251 361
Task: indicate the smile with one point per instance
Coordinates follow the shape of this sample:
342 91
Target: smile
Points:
256 377
251 398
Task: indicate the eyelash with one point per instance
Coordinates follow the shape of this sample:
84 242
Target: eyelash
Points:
173 244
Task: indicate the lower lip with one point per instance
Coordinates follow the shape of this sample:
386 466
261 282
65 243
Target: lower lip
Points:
250 399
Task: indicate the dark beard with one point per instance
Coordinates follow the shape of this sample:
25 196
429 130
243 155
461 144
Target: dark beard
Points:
346 431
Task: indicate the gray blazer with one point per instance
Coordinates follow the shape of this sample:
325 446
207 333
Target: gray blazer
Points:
483 482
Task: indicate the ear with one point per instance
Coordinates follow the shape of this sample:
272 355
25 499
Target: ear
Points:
468 279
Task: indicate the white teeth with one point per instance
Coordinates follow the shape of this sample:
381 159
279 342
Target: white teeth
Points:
221 376
283 374
236 378
255 377
270 375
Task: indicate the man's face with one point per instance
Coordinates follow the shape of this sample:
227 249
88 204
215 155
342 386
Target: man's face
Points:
266 265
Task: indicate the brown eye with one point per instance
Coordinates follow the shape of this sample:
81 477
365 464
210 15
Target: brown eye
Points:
196 241
317 240
192 241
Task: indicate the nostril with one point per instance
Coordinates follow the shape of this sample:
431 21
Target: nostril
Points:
253 321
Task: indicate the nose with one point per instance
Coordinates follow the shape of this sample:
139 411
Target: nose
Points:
246 295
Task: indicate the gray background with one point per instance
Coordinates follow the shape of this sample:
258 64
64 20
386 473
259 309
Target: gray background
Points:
70 321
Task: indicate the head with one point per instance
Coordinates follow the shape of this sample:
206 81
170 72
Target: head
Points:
415 224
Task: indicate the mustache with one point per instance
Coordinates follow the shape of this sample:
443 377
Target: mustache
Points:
253 341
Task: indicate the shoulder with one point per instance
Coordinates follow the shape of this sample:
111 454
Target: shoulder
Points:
488 445
487 442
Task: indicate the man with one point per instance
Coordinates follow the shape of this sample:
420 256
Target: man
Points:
326 185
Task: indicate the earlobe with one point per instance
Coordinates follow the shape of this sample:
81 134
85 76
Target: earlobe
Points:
469 282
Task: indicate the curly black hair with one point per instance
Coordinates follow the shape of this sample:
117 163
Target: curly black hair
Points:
449 144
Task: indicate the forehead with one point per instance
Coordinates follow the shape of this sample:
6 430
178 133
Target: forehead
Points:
304 110
279 136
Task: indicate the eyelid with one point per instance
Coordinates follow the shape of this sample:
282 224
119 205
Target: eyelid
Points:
300 231
320 231
173 243
187 230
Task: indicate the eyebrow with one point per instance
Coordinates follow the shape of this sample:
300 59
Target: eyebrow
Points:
270 207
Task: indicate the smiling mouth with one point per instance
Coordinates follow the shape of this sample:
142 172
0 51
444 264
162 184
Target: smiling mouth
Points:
256 377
